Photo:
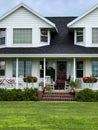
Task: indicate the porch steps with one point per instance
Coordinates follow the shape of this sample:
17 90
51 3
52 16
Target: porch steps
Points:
57 96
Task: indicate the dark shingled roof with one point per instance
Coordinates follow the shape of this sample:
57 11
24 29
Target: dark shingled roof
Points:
61 42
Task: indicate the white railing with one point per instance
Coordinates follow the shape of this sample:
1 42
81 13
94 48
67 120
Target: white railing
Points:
7 83
82 85
11 83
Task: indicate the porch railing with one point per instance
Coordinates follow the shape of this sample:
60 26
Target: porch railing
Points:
10 83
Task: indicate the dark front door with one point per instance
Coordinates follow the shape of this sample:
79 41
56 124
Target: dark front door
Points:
61 70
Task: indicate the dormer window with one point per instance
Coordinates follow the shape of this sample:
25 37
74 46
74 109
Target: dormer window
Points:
22 36
44 35
79 35
94 35
2 36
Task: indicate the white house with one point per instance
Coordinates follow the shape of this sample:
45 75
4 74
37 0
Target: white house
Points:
33 45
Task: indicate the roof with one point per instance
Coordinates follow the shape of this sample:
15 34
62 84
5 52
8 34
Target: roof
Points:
82 16
30 10
61 42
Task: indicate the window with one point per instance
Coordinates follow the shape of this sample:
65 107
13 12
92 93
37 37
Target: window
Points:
25 68
41 69
2 36
2 68
95 68
44 35
79 35
79 69
22 36
94 35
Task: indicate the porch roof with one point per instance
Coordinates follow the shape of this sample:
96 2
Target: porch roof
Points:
61 42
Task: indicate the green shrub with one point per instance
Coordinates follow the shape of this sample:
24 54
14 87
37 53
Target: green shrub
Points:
2 94
19 95
86 95
96 94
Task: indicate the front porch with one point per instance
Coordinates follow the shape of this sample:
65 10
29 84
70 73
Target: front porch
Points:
50 71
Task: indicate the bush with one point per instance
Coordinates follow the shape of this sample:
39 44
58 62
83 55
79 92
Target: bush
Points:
19 95
2 95
30 94
96 94
86 95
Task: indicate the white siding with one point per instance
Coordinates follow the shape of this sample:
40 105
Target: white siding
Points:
89 20
22 18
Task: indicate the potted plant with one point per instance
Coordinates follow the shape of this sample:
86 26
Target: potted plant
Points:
30 79
90 79
72 85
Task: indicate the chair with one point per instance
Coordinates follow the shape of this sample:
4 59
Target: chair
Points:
67 86
48 82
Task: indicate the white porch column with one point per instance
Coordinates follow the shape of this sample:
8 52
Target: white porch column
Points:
16 73
74 69
44 70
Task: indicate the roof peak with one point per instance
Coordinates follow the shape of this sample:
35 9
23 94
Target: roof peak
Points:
30 10
83 15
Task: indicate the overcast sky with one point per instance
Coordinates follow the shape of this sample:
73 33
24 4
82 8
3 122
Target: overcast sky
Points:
51 7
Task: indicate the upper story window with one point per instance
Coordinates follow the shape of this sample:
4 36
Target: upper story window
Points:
22 36
94 35
44 35
79 35
2 36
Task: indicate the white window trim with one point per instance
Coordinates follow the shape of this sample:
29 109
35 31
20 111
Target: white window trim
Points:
75 38
92 35
48 38
22 44
3 45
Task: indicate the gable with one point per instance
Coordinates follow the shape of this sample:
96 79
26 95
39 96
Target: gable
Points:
90 18
23 17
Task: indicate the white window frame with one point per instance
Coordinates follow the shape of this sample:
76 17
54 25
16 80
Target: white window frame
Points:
21 43
44 35
94 35
81 30
3 35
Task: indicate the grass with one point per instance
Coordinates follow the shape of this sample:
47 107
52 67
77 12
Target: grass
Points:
48 116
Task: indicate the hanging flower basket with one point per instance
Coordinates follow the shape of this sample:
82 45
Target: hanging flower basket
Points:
90 79
30 79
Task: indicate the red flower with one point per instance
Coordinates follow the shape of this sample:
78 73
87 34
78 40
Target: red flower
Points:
90 79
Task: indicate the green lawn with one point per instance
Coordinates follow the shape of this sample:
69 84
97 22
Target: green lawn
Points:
48 116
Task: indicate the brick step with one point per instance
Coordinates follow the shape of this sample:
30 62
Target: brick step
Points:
57 97
65 96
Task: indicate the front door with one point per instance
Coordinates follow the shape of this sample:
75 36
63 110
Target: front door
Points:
61 70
